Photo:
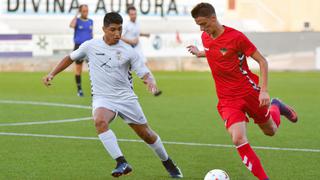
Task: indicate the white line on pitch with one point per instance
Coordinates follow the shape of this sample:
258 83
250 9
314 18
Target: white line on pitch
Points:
45 122
165 142
45 104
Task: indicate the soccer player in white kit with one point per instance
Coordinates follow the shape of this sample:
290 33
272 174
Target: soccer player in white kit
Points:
112 93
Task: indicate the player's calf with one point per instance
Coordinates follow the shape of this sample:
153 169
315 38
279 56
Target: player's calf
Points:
251 161
148 136
248 156
109 141
145 133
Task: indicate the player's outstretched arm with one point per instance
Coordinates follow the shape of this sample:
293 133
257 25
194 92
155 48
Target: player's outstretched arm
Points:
263 64
60 67
195 51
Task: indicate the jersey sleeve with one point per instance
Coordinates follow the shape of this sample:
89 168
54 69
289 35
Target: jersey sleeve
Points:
245 45
138 65
80 53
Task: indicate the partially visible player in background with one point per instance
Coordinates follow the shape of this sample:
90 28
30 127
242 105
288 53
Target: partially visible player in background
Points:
131 34
83 31
237 87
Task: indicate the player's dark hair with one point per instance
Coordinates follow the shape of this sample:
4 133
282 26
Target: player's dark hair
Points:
203 10
112 18
82 5
131 8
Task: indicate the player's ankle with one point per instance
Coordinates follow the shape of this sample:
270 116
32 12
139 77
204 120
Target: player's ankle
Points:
121 160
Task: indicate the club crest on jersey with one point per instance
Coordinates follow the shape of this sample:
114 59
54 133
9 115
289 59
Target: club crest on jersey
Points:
223 51
119 55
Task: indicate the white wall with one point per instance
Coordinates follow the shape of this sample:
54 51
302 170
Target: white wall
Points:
48 18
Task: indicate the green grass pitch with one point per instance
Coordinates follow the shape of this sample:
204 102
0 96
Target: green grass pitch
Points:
185 112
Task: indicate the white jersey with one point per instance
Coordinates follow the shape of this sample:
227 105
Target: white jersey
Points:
131 30
109 68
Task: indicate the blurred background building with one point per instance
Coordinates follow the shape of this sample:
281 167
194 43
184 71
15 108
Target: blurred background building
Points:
35 34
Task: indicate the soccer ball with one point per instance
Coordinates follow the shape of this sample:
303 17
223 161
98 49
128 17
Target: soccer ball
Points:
216 174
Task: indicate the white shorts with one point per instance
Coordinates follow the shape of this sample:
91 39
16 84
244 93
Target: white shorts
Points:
129 110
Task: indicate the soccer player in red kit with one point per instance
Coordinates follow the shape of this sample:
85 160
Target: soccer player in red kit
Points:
237 87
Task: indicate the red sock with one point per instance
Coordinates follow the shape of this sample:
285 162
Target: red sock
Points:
275 114
251 160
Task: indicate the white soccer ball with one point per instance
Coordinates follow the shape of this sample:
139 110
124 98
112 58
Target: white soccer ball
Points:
216 174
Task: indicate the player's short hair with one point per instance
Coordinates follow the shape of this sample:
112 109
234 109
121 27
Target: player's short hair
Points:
131 8
82 5
112 18
203 10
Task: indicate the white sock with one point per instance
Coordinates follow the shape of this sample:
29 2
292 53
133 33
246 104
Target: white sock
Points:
159 149
109 141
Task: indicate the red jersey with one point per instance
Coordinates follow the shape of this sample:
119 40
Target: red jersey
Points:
226 56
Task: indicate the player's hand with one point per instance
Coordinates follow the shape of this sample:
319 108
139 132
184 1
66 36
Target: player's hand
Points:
153 88
151 85
47 80
193 50
264 99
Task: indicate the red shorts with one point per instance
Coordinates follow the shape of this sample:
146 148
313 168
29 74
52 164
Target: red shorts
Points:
235 110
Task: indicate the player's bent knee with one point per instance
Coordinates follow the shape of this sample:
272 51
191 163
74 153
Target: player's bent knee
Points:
238 140
101 125
270 132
